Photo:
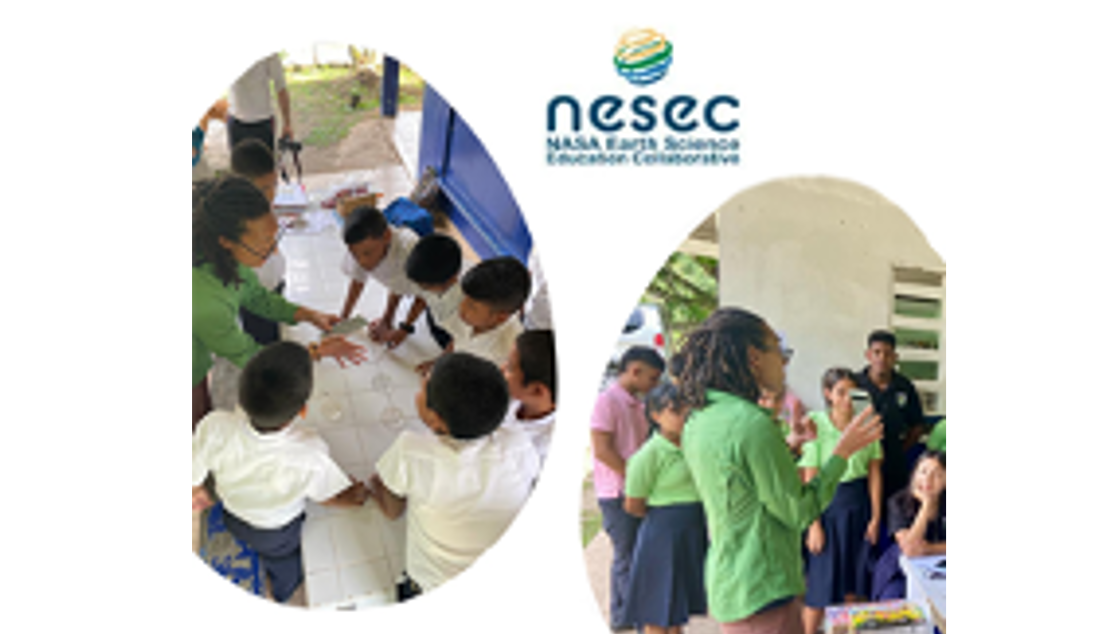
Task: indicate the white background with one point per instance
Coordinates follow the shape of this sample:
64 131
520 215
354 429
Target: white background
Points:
986 125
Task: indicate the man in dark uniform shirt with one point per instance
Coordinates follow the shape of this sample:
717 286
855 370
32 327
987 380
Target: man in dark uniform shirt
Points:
896 400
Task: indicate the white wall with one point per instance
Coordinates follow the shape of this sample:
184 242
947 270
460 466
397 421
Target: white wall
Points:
814 257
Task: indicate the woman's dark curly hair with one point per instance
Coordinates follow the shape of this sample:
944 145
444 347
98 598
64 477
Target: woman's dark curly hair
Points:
715 357
221 209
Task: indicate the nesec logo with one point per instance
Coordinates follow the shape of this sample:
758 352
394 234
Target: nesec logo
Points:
658 130
643 57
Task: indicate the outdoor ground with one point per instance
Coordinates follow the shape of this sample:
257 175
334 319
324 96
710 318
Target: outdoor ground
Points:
336 136
598 552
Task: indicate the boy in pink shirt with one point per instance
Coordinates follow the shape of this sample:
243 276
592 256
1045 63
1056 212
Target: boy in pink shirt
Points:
618 428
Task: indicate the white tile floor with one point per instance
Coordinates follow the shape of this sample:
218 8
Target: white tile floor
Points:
352 558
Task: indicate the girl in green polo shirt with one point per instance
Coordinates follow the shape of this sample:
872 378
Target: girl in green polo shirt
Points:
839 542
668 562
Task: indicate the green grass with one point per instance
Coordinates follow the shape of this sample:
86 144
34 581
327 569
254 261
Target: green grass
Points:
321 101
591 517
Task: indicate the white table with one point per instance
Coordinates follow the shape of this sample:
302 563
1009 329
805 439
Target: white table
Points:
926 585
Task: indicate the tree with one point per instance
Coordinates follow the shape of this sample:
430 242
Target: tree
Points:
686 289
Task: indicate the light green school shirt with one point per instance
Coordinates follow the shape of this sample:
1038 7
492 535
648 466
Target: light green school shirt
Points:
816 452
658 473
938 439
755 504
216 317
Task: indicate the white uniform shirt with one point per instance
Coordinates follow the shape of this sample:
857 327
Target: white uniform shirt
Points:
537 311
444 306
390 272
538 431
495 345
249 98
263 479
272 271
461 496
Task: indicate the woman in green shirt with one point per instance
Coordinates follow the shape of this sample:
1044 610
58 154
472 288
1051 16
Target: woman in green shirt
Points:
755 502
235 229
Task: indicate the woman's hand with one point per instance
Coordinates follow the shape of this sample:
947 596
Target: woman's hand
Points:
862 431
322 321
342 350
815 538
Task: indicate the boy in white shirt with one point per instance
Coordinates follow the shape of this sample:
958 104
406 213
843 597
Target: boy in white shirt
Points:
265 465
530 373
461 485
493 293
377 249
435 265
252 160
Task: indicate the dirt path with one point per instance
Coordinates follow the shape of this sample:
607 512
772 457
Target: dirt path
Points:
368 146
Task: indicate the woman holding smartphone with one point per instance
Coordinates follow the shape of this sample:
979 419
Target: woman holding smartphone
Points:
755 502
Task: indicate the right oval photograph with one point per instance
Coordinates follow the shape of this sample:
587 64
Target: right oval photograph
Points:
768 448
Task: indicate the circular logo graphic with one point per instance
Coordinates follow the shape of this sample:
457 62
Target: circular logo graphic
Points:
643 56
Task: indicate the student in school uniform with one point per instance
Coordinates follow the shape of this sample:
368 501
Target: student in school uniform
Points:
493 292
436 264
462 484
668 563
938 438
755 503
530 373
266 465
537 311
917 519
896 400
378 250
618 428
796 431
839 542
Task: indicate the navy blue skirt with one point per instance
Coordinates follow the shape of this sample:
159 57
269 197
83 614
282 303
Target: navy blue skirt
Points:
843 567
668 566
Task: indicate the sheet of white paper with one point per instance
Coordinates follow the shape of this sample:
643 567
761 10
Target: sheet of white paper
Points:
291 195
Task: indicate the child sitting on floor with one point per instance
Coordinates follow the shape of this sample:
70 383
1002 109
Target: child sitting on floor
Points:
265 465
462 484
530 373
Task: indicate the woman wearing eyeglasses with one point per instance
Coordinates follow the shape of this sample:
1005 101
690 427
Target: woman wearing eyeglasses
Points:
755 502
235 230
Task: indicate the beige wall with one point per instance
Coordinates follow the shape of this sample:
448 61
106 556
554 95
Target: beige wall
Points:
814 257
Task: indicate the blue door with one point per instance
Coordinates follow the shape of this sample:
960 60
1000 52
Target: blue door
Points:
479 201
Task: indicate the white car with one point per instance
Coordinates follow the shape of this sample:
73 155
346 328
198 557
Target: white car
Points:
644 328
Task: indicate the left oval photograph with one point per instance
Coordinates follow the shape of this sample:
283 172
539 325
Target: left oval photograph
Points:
374 373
